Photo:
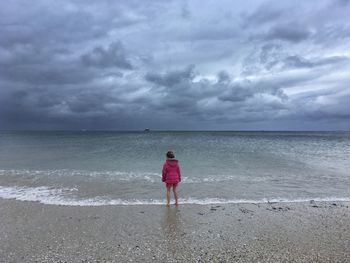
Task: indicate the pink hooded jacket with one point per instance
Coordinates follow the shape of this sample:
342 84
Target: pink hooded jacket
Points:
171 172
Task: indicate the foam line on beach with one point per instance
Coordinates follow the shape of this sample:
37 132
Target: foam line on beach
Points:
125 176
63 196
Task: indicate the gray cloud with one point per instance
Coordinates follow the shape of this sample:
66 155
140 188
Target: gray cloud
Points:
289 32
297 62
32 65
171 78
300 62
236 93
41 75
174 65
113 56
247 89
265 13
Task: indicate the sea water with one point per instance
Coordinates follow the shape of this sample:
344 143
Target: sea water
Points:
124 168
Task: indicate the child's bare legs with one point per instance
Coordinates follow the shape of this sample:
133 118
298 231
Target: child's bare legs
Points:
175 195
168 196
168 190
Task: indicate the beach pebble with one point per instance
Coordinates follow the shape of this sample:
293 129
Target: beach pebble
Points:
245 211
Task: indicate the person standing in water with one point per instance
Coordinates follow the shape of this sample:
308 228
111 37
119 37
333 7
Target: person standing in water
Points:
171 176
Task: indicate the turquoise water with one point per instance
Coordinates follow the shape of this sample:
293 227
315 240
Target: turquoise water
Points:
97 168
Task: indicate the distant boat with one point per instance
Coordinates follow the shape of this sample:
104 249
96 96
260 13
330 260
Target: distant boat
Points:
146 130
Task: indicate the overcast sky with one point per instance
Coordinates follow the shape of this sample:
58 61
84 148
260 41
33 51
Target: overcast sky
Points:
185 65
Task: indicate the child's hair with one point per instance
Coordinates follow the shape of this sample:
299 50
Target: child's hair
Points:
170 155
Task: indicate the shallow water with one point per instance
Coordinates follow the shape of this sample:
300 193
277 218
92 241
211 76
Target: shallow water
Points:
99 168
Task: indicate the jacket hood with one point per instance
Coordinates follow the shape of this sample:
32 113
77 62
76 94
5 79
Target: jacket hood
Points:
172 162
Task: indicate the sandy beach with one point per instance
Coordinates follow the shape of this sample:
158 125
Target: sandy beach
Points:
275 232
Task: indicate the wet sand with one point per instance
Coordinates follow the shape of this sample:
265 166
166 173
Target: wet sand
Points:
278 232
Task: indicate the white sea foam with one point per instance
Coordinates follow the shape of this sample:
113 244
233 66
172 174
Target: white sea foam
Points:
107 175
129 176
63 196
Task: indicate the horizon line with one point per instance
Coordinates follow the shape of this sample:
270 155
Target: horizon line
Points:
158 130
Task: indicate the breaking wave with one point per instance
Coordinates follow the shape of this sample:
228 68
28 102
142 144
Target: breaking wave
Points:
65 197
149 177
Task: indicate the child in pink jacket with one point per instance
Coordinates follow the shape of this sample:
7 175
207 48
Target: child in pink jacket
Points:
171 176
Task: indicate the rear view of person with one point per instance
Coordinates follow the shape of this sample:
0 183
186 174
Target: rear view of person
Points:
171 176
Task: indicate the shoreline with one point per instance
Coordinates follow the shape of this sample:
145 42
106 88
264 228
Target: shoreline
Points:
267 232
53 196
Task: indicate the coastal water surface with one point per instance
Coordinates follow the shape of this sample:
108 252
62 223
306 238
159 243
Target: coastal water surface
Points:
124 168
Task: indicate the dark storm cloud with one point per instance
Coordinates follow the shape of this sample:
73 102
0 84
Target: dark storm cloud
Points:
113 56
297 62
328 106
44 25
42 75
300 62
223 77
70 22
243 91
171 78
32 65
215 100
236 93
273 57
265 13
174 64
289 32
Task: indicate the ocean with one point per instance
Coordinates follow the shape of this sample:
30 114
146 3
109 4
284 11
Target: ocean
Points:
92 168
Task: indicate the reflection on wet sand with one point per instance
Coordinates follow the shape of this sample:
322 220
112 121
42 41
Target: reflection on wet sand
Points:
172 226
